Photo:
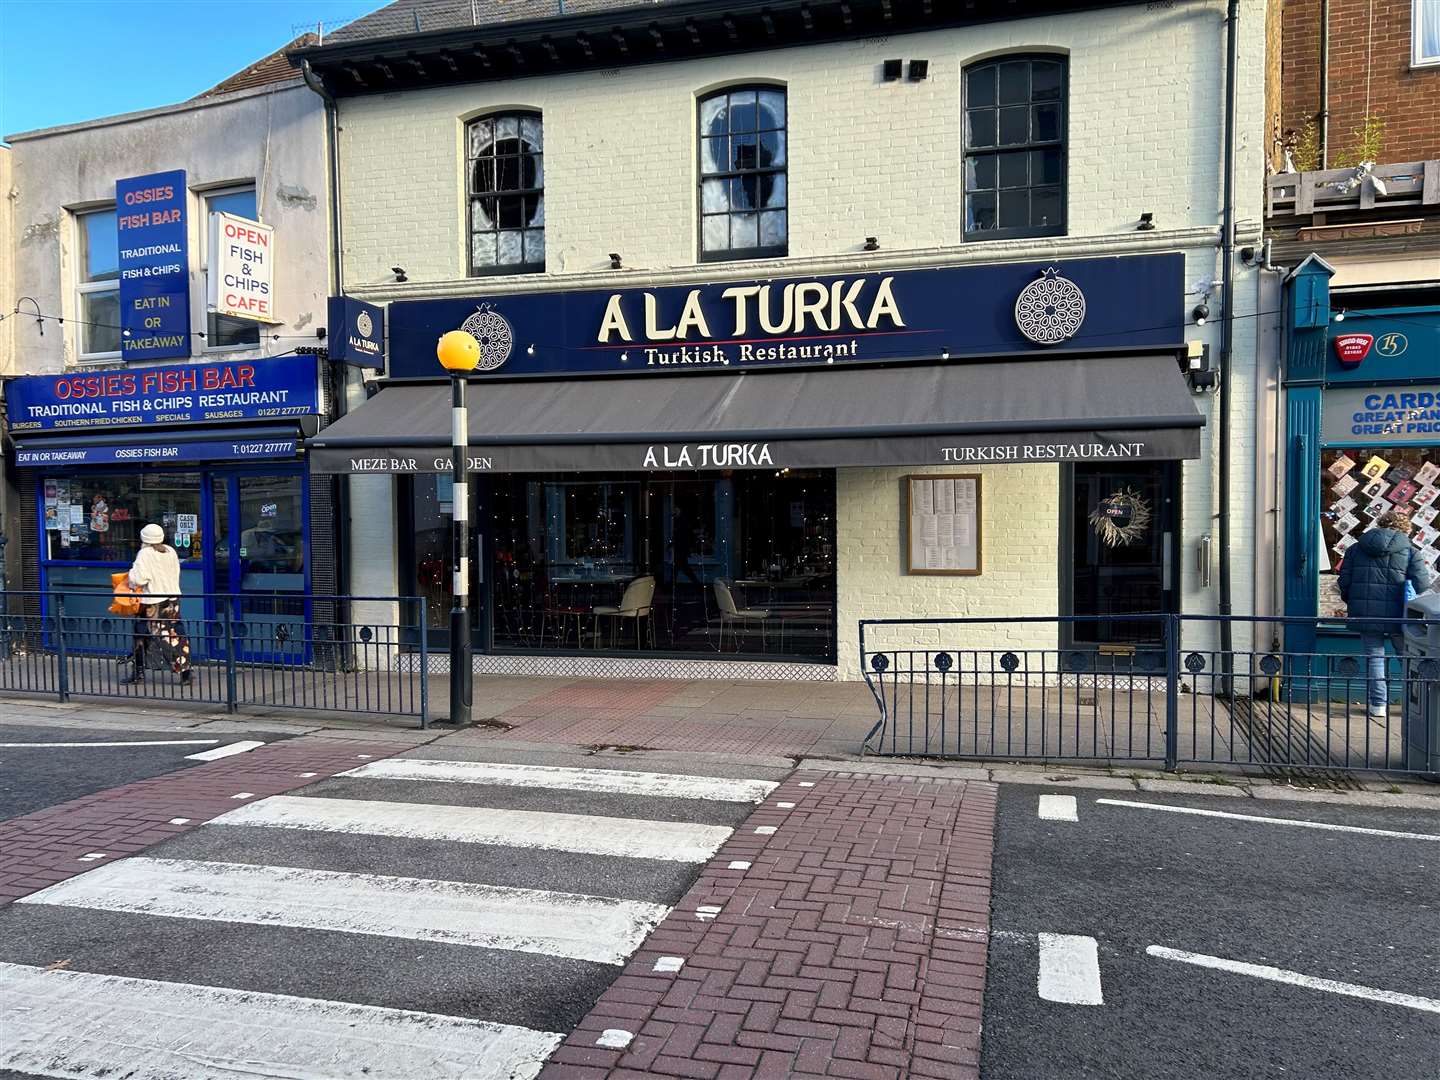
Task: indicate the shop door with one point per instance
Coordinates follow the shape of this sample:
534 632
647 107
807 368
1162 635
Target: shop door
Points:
1121 561
260 543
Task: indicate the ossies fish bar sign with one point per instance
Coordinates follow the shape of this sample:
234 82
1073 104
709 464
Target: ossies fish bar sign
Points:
154 266
183 394
992 310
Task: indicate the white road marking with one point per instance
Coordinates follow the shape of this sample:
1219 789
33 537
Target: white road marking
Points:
671 841
1272 820
91 856
608 781
568 925
739 864
765 830
669 963
81 1025
243 795
144 742
786 805
179 821
1070 969
614 1039
1295 978
1059 808
807 783
243 747
706 912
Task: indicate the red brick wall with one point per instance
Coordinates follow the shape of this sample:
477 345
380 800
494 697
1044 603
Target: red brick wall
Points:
1364 34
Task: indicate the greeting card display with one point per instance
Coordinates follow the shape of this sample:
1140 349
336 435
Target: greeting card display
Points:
1342 465
1344 506
1374 510
1344 544
1425 515
1345 485
1375 489
1403 492
1427 474
1347 523
1375 467
1425 496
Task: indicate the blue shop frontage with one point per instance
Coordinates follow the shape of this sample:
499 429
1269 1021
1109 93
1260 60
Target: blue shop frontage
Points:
211 452
1362 437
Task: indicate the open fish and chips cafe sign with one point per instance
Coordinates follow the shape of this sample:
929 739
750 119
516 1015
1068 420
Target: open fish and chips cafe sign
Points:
242 268
992 310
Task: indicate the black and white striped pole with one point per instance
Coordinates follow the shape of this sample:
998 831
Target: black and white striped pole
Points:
458 353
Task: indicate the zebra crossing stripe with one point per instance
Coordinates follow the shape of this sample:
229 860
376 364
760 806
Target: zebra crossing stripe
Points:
82 1025
608 781
569 925
671 841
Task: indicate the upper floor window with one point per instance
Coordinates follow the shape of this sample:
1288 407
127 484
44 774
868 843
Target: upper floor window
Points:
505 166
743 196
226 331
1425 32
98 284
1015 148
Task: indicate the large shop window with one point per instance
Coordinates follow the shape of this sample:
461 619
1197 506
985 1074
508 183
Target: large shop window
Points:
226 331
505 164
1356 487
743 180
1015 148
98 285
98 518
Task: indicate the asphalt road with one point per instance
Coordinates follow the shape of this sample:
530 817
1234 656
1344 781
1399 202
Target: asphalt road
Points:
34 776
1347 907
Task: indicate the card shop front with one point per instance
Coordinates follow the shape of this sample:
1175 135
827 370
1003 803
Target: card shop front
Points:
208 451
689 471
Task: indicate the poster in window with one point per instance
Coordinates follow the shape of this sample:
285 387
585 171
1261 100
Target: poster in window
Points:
944 520
1425 496
1427 474
1425 515
1346 523
1375 467
1375 490
1344 544
52 515
1341 466
99 515
1374 510
1346 486
1403 492
1343 506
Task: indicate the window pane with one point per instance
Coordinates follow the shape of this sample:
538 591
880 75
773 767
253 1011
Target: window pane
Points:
225 330
100 238
239 203
772 228
772 104
536 171
115 507
716 232
1015 82
535 246
1014 126
772 148
744 151
980 172
713 155
743 192
980 87
1045 206
742 111
507 174
532 132
1014 209
1046 80
1427 30
101 311
713 196
512 212
744 231
507 127
536 205
480 218
482 250
511 252
772 190
1047 123
1045 166
980 212
1014 169
712 115
482 137
980 127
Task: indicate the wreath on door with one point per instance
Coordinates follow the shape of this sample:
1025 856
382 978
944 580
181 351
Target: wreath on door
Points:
1122 518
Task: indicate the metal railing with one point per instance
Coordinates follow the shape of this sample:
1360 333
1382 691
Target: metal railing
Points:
1041 689
341 654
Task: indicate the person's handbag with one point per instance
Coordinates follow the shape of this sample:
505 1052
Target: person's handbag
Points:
126 601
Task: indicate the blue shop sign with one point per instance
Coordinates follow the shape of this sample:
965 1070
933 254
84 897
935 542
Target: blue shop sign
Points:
1004 309
355 333
181 394
154 266
1384 345
159 453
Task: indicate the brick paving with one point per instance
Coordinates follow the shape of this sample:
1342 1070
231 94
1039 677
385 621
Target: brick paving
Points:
39 849
852 945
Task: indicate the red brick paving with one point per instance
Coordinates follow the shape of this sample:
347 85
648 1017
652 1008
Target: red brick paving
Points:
853 946
39 849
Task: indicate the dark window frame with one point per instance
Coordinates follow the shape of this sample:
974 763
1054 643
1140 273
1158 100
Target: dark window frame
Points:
471 197
760 251
1061 143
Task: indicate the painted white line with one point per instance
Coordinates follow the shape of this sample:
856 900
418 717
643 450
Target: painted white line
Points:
1070 969
81 1025
614 1039
670 841
179 821
243 795
1271 820
786 805
807 783
669 963
226 751
706 912
309 774
91 856
608 781
1059 808
568 925
739 864
765 830
1295 978
143 742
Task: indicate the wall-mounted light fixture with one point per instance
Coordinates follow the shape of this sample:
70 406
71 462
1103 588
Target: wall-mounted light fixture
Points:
872 243
614 260
1147 222
1201 313
890 70
1339 316
399 272
919 70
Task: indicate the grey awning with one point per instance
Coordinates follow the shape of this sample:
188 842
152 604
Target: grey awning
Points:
1133 406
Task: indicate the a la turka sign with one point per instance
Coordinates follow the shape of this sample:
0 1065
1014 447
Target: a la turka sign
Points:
902 315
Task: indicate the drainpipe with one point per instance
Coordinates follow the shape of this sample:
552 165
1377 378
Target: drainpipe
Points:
337 278
1227 338
1324 84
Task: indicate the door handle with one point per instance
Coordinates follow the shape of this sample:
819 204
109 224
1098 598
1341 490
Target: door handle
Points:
1202 560
1165 554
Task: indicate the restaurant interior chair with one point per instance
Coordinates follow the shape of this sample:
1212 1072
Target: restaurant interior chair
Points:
564 616
737 616
637 602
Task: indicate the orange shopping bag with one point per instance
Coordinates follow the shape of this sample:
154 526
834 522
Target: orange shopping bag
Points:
126 601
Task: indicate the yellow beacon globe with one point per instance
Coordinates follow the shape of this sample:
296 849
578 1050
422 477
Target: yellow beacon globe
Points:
458 351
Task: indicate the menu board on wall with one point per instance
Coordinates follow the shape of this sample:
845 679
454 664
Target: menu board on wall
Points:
944 515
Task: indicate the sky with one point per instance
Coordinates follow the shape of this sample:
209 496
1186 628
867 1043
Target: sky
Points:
63 61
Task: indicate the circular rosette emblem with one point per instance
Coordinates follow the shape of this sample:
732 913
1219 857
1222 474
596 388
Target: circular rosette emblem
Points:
491 329
1050 309
364 324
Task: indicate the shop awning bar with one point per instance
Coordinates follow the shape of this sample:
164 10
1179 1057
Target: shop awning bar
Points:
1134 407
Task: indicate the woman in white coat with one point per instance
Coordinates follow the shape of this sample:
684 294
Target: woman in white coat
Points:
155 574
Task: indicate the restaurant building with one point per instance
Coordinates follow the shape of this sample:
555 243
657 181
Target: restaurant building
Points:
796 314
172 272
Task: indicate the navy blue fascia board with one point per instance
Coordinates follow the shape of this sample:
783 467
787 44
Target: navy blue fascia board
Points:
635 35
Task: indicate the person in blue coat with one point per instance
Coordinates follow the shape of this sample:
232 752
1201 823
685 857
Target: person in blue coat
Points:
1373 580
